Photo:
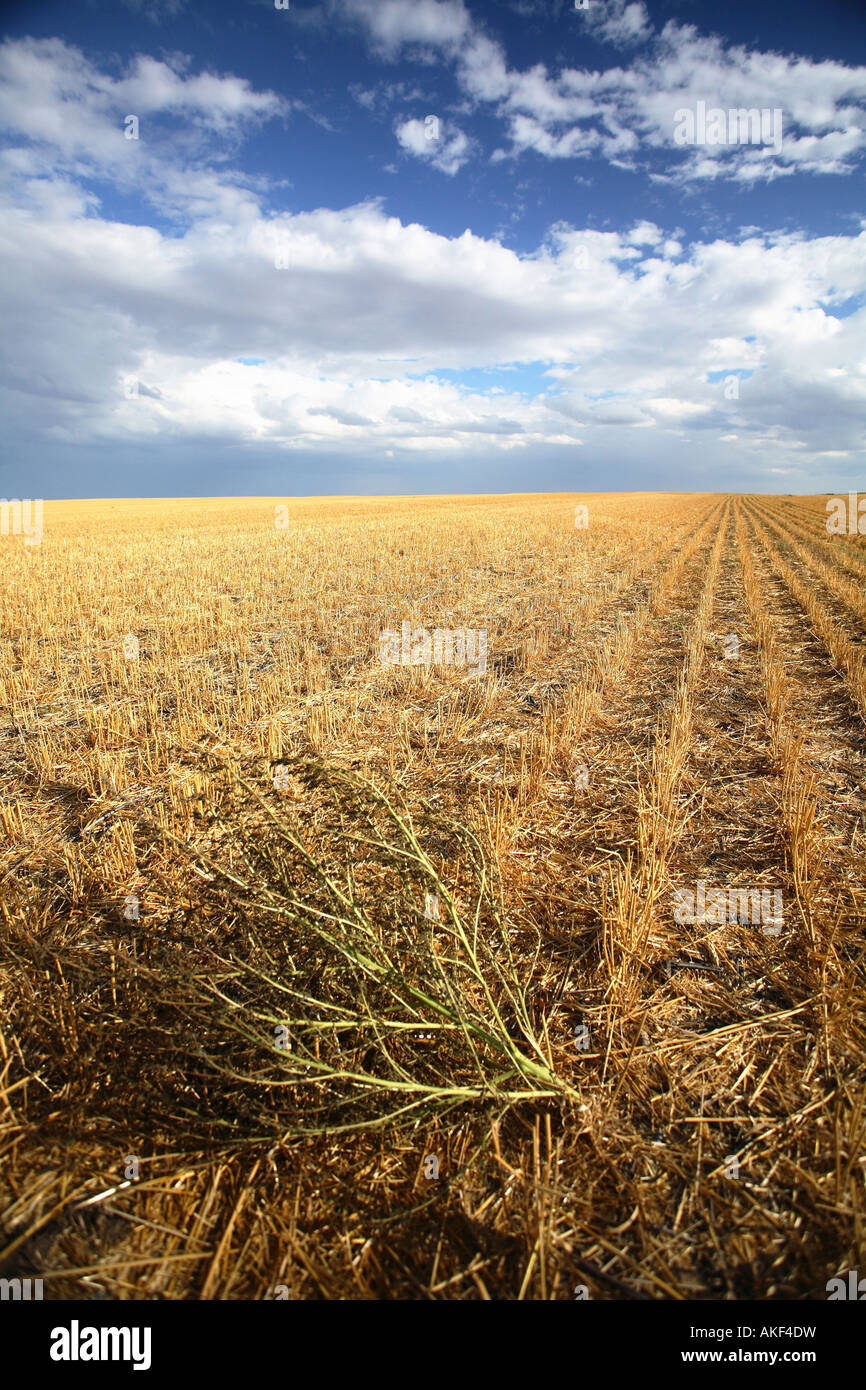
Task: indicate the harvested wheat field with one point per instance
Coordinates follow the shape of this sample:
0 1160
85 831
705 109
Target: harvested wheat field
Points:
516 955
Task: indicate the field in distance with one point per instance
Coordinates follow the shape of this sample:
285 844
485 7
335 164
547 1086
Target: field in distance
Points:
440 897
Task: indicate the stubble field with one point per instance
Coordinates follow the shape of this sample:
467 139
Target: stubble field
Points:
323 976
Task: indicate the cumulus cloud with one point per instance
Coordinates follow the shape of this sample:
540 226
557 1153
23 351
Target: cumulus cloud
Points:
394 24
628 115
333 348
620 22
441 144
632 336
65 118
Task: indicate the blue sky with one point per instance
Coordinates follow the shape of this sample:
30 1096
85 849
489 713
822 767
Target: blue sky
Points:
408 246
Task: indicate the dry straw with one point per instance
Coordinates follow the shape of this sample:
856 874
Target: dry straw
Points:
348 1004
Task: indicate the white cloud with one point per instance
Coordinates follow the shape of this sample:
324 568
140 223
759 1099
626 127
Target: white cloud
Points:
631 324
631 334
619 21
392 24
645 234
441 143
69 119
627 115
